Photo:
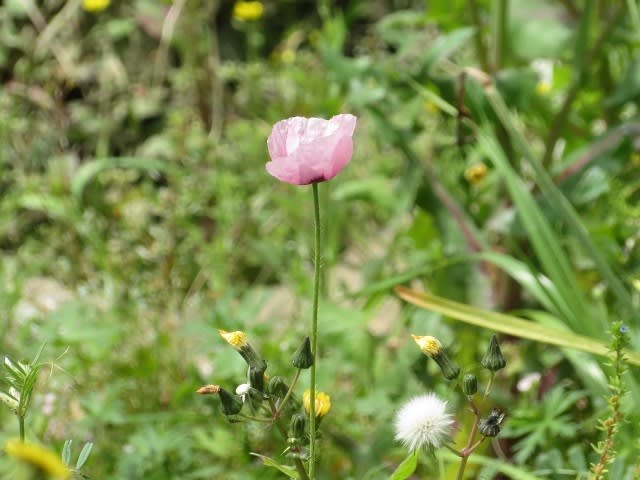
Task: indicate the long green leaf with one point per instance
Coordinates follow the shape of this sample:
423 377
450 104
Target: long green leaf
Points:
561 204
508 324
88 172
546 243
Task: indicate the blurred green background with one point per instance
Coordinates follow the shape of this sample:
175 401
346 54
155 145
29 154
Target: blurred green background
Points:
136 218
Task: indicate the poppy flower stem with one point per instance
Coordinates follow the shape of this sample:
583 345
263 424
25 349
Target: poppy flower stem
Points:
314 334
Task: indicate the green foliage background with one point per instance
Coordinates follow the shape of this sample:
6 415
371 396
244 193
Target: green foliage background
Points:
136 218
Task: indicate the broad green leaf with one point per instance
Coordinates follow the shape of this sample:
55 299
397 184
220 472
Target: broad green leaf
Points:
406 468
270 462
88 172
508 324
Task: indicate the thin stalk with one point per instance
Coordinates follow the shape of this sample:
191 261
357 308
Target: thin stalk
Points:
468 449
500 43
489 384
21 422
481 48
299 465
314 335
288 394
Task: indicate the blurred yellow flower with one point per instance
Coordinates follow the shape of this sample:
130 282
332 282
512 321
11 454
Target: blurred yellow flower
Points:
95 5
248 11
236 339
38 457
322 404
428 345
431 107
475 173
543 88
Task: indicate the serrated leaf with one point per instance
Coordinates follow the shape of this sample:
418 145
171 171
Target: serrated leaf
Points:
406 468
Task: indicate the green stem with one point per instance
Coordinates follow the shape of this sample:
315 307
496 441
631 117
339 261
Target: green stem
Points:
481 48
289 392
21 422
489 384
299 465
468 449
500 43
314 335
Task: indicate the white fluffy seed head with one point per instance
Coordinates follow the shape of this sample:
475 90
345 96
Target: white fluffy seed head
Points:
423 421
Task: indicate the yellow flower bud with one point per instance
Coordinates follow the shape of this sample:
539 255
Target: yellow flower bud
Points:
95 5
475 173
429 345
236 339
248 11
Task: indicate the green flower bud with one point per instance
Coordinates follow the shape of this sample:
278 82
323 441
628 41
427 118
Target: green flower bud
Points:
490 426
493 360
256 378
278 387
303 358
469 384
231 404
296 426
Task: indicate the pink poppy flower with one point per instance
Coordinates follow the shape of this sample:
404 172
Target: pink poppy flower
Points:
310 150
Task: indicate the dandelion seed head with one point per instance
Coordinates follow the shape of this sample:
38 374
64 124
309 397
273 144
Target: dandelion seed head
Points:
423 421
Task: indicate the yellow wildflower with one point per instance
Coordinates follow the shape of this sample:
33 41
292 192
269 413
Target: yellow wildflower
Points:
95 5
39 457
542 88
429 345
248 11
236 339
322 404
475 173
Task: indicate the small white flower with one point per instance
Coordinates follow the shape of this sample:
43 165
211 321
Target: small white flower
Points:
243 390
423 421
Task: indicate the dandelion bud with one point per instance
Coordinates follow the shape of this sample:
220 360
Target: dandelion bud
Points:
231 404
469 384
208 389
256 378
238 340
432 347
490 426
278 387
493 360
303 358
322 403
296 426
